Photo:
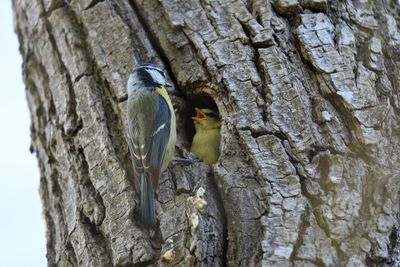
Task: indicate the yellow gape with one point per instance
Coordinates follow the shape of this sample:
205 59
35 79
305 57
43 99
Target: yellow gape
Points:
205 144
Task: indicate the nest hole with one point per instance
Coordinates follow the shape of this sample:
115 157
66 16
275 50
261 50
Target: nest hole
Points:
197 101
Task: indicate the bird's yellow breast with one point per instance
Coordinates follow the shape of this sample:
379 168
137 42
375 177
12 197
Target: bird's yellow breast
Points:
205 145
163 92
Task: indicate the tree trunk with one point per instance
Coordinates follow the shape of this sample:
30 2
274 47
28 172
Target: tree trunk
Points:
308 92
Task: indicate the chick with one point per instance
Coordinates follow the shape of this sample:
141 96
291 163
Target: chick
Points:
205 144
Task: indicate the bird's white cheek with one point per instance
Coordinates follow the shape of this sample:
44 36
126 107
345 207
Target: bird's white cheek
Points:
156 76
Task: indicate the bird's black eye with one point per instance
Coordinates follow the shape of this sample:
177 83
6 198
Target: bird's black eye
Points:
212 115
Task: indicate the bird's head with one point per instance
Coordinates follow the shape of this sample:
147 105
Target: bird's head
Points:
206 119
147 76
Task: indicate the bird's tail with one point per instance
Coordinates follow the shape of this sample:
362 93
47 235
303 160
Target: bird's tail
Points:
147 209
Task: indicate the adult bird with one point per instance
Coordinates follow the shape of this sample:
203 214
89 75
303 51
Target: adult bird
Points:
151 133
205 144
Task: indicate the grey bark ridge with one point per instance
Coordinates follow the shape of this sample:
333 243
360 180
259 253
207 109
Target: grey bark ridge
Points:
308 92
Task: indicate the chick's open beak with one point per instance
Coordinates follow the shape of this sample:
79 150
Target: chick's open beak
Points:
200 116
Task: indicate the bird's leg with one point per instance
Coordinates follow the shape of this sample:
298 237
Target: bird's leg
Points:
190 159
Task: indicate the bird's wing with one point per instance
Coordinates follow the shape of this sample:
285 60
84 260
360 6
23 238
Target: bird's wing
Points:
133 142
158 141
147 151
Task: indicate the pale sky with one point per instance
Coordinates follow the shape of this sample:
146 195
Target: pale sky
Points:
22 231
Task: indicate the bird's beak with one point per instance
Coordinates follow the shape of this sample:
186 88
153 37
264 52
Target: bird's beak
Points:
168 84
200 116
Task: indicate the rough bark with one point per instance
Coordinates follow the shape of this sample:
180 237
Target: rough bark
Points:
308 92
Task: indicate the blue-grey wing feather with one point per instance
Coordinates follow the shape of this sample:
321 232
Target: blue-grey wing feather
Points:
133 142
158 140
148 152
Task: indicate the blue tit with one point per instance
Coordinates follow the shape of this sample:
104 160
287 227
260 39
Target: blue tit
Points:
151 133
206 140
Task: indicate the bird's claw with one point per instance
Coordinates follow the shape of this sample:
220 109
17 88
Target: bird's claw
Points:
191 159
